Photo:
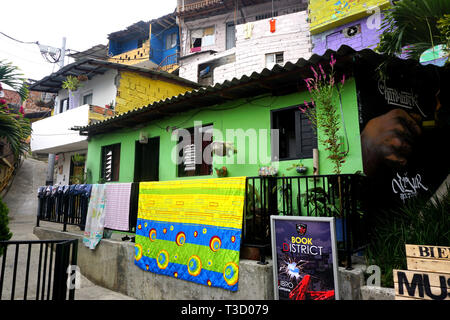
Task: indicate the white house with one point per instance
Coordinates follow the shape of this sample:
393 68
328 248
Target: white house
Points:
222 40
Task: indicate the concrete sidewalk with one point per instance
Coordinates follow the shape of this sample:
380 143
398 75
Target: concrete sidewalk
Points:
22 202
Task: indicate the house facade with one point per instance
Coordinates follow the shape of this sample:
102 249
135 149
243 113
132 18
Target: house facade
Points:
153 44
228 39
109 89
246 128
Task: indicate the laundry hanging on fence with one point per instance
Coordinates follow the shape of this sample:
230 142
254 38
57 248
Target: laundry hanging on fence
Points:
191 229
95 219
117 207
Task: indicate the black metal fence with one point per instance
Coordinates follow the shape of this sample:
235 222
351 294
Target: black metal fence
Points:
64 204
321 196
68 205
37 270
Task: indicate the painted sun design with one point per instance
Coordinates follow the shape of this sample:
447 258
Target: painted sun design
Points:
215 243
152 234
162 259
180 239
194 266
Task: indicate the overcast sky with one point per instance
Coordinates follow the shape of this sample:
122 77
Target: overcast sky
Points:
84 23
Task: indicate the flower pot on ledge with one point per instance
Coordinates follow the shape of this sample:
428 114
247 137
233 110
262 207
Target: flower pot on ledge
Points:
301 170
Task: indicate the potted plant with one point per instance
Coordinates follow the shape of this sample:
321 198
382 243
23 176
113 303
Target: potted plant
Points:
299 167
72 84
82 77
78 159
268 171
324 90
221 172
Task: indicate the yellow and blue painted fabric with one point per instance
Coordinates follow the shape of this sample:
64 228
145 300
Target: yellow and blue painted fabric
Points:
191 229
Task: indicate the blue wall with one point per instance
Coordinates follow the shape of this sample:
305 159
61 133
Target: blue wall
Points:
158 44
118 47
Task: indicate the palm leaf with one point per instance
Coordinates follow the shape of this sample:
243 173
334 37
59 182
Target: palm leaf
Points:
10 75
412 24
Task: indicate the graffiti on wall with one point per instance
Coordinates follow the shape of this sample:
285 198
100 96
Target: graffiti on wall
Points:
327 14
404 122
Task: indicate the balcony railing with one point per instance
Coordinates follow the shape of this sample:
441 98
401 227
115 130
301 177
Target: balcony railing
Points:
317 196
198 5
169 63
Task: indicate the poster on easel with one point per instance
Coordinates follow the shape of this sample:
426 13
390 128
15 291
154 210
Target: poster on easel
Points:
304 258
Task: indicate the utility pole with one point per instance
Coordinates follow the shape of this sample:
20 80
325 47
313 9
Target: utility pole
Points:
51 156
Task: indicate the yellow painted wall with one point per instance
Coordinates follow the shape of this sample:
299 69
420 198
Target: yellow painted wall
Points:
133 56
328 14
136 91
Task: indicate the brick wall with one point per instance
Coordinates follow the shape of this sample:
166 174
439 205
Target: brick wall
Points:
29 105
291 37
135 91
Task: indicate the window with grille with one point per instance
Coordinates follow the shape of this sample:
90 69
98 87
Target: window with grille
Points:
297 138
193 152
110 162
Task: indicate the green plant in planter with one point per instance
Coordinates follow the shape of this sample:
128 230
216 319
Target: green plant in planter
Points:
324 114
253 212
71 83
299 167
78 159
221 172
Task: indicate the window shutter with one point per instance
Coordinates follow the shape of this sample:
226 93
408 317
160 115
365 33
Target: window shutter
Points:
189 157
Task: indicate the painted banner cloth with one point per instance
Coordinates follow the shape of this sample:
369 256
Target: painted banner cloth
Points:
95 219
117 207
191 229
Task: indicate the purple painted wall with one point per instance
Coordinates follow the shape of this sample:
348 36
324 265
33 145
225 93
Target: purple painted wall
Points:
334 38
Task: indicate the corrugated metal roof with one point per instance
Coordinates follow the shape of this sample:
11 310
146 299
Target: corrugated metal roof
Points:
279 80
93 67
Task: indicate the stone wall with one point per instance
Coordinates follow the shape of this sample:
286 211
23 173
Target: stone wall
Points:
111 265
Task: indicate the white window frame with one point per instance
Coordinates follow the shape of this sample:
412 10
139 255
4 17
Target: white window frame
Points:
275 59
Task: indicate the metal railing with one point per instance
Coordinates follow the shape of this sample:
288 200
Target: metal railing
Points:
197 5
63 204
37 270
68 205
169 62
321 196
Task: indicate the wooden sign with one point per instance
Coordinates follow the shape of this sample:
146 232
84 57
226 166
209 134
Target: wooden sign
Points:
428 274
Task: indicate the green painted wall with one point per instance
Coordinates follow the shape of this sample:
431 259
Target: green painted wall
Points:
239 114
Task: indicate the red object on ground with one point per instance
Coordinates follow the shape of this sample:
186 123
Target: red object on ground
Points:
301 292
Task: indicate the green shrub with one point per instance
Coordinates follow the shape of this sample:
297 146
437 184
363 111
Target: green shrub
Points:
419 222
5 234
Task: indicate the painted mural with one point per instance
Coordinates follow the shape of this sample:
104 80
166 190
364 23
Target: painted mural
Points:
327 14
405 127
